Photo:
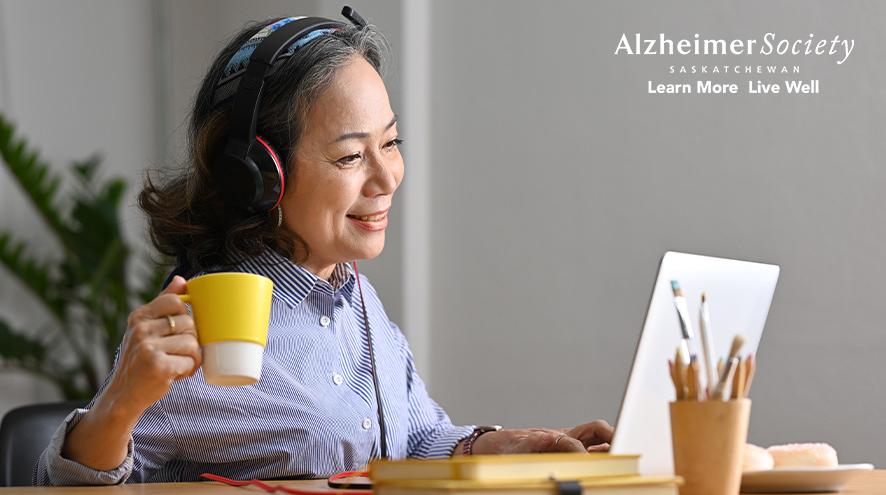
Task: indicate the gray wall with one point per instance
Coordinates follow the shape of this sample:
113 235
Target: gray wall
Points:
558 183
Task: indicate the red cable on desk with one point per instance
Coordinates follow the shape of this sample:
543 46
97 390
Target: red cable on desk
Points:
294 491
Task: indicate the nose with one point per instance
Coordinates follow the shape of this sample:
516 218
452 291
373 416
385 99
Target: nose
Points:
385 175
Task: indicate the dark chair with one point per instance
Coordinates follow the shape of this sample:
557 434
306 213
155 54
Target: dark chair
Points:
24 433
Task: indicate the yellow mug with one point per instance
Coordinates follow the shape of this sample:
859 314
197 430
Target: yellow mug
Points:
231 311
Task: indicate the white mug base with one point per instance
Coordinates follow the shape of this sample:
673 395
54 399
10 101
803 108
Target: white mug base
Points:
232 363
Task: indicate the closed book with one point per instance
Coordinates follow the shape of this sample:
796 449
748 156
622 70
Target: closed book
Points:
619 485
506 467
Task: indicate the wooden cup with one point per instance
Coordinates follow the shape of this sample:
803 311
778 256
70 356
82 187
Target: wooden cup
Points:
708 439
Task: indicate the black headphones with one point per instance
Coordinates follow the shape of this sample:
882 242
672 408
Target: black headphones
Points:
248 171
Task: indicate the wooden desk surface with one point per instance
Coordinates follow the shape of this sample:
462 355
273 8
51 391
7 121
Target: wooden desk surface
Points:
871 483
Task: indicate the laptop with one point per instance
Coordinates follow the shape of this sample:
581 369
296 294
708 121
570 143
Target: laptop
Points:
738 296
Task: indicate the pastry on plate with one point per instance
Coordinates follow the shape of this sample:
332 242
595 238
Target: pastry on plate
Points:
756 459
803 455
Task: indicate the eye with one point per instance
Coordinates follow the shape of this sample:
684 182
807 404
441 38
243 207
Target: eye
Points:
350 159
393 143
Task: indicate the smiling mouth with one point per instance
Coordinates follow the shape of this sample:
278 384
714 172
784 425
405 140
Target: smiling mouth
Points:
370 218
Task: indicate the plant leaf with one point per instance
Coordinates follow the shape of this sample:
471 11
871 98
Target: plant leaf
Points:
85 286
33 175
34 274
18 348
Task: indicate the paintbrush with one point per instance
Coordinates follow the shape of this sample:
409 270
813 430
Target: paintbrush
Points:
730 368
737 343
683 318
707 344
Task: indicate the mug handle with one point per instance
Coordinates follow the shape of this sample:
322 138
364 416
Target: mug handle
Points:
185 298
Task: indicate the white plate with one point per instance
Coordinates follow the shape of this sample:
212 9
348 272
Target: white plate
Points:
811 479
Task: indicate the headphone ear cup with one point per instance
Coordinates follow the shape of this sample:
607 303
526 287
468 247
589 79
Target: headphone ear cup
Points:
238 180
270 169
253 183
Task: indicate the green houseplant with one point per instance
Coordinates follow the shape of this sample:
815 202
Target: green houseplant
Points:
86 286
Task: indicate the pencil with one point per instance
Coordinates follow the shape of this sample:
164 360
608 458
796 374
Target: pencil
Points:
680 371
693 377
738 380
749 374
672 369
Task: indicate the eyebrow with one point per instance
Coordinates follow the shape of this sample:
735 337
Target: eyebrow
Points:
355 135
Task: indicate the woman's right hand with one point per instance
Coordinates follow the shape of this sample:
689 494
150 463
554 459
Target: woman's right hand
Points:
155 352
160 346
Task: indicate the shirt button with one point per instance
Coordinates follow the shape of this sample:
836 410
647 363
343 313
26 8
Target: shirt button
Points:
324 321
367 423
337 379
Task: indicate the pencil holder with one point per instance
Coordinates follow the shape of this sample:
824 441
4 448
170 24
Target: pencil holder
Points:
708 439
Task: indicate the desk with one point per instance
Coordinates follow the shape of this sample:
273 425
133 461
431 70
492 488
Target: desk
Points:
870 483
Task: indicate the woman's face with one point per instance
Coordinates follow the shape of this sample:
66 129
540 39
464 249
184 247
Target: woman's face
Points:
346 168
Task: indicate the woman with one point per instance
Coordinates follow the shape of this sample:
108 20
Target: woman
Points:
325 110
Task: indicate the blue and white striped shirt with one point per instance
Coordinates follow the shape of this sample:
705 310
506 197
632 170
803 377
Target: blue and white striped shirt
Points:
312 413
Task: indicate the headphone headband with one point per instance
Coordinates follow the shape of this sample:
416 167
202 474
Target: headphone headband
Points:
249 171
249 89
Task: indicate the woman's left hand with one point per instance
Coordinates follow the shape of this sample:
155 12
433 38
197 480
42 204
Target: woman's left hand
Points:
589 437
594 436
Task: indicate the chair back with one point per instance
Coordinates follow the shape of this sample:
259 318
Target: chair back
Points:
24 434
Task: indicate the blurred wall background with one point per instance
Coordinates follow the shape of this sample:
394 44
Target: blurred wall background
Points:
558 183
555 184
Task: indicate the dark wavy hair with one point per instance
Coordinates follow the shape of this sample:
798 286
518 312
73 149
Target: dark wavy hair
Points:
187 218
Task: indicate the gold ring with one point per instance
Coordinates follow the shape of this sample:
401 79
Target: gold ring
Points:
171 321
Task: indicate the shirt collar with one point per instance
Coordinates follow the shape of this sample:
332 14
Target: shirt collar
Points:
293 283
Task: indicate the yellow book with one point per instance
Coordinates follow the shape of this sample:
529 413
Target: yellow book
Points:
506 467
619 485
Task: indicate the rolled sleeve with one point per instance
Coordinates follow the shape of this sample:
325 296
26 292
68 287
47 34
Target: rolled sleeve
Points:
53 469
439 441
431 433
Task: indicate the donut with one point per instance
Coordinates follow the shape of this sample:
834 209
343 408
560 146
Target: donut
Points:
756 459
804 455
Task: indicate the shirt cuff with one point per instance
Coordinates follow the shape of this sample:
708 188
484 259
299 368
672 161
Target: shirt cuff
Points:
444 442
62 471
